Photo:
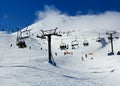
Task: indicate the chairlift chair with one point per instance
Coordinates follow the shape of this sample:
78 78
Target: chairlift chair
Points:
63 46
99 39
24 37
117 37
20 40
24 34
85 43
75 44
21 44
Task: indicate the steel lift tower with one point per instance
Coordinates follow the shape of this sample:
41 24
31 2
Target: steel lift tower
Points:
50 33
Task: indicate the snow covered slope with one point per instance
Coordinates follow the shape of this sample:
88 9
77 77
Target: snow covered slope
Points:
29 66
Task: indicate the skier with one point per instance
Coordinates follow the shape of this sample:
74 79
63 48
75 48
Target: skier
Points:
86 55
91 58
30 47
82 58
55 53
11 45
41 48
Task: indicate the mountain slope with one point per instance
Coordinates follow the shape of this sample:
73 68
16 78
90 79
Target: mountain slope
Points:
29 66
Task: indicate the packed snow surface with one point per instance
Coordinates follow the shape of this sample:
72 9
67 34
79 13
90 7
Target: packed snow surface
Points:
29 66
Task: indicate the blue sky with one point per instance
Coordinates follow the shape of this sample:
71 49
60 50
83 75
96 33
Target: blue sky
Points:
19 13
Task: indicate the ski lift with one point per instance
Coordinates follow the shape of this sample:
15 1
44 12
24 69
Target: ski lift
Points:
21 35
117 37
63 46
85 43
75 44
99 39
21 44
24 34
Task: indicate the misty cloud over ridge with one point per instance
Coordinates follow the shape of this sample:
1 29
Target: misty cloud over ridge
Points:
51 18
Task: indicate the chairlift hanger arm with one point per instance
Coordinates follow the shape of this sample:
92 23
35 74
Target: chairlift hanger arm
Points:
55 29
42 31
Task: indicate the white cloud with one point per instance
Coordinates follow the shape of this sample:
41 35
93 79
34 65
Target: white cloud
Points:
51 18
